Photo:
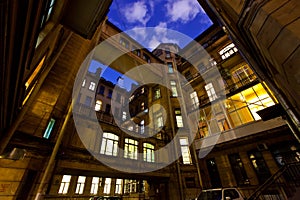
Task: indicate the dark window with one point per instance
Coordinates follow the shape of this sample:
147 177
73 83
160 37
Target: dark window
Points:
213 173
146 58
109 94
259 165
167 51
107 108
88 101
238 169
188 75
101 90
124 43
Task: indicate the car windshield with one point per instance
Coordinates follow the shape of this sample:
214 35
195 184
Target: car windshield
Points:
210 195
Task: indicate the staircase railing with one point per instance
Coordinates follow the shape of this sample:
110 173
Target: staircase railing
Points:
280 186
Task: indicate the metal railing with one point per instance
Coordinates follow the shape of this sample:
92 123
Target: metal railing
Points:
282 185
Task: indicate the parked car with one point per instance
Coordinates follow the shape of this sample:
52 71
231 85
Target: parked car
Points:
104 198
220 194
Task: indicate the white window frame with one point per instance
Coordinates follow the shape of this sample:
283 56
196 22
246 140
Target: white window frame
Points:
92 86
148 152
96 182
185 150
64 185
109 145
107 186
80 185
119 184
174 88
211 93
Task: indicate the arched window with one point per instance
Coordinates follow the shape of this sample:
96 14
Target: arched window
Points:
109 144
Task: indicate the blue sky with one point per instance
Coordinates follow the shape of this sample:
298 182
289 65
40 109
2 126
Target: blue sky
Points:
184 16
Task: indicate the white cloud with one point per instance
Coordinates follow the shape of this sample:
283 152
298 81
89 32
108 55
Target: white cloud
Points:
137 12
161 36
183 10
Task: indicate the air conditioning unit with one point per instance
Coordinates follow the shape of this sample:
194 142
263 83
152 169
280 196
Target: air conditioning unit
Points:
262 147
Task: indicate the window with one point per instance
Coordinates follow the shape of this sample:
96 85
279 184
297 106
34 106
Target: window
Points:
109 144
243 75
98 105
238 169
228 51
124 116
136 51
118 189
107 186
64 185
107 108
156 93
170 67
83 83
124 42
185 151
109 94
210 92
130 186
213 173
146 58
148 152
101 90
130 148
80 185
178 116
173 88
92 86
88 101
142 106
96 182
159 122
195 100
259 166
47 13
49 128
142 124
168 54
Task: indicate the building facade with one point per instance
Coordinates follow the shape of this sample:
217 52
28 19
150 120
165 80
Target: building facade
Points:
64 137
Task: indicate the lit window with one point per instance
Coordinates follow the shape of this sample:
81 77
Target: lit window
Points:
173 88
49 128
130 148
118 189
107 186
80 185
64 185
130 186
170 67
142 126
178 115
156 92
185 151
124 43
98 105
96 181
142 106
124 116
158 120
83 83
211 92
148 152
228 51
92 86
109 144
195 100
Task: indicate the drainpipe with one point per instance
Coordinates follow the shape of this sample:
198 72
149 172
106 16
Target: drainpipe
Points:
31 98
